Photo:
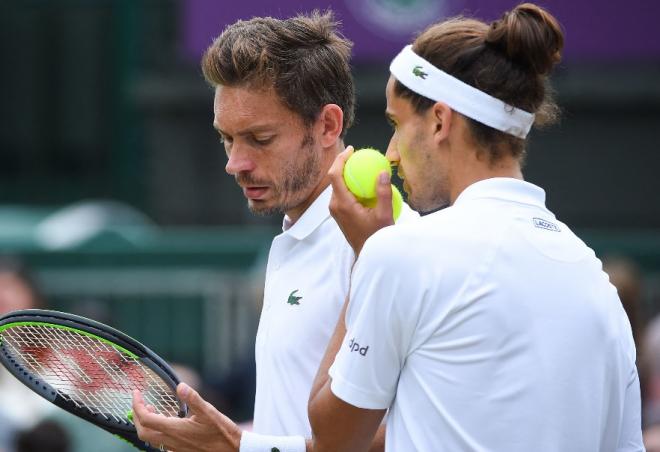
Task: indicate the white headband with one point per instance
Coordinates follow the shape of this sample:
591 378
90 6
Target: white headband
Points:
427 80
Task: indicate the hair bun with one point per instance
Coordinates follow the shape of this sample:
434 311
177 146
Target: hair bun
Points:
528 35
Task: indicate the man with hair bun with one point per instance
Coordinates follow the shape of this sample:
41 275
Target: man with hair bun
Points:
487 325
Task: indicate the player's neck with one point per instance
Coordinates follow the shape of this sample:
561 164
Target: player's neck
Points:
482 168
296 212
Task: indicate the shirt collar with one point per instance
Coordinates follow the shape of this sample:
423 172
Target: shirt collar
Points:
504 188
311 219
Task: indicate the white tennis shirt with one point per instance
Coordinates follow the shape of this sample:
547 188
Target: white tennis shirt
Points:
489 326
307 279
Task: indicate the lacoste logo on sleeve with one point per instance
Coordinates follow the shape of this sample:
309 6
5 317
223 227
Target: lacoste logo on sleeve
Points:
545 224
293 298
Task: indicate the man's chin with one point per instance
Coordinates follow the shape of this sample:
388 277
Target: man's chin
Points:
424 207
263 209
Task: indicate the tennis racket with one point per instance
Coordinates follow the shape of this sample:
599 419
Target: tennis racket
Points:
87 368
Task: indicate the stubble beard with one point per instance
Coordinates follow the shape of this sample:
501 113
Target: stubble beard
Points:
299 176
435 198
434 193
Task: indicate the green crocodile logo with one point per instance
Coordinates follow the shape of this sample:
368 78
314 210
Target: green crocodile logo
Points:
417 71
293 298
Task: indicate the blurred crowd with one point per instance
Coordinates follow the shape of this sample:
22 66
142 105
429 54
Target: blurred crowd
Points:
29 423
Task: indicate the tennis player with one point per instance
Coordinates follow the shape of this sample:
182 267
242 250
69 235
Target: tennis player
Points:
284 99
488 325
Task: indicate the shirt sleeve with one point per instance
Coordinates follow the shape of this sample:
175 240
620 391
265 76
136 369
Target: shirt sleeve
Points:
630 438
380 321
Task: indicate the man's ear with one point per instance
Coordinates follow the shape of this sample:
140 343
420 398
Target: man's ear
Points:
330 124
441 118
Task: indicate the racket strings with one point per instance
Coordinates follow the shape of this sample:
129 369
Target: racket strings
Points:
87 371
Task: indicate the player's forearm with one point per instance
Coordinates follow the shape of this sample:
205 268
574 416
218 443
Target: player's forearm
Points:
331 351
378 443
340 426
317 410
342 432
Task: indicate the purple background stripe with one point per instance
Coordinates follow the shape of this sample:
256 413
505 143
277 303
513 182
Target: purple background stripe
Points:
596 30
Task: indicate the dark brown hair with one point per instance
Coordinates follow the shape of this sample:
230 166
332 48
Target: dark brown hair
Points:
510 59
304 58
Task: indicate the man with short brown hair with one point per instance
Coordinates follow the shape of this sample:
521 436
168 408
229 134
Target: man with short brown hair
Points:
284 99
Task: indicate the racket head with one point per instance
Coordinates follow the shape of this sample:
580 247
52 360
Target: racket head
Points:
87 368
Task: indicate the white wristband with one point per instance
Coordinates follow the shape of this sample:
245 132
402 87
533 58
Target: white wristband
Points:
254 442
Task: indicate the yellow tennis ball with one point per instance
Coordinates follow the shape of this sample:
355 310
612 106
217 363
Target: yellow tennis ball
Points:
361 172
397 201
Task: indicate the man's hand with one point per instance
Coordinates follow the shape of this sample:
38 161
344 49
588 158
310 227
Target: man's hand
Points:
357 222
206 429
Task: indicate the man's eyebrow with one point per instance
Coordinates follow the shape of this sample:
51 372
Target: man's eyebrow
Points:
249 130
217 128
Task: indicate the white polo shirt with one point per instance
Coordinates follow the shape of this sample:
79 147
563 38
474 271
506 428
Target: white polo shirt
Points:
307 279
489 326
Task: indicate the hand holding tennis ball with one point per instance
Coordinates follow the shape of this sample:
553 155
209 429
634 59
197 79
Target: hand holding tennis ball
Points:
361 173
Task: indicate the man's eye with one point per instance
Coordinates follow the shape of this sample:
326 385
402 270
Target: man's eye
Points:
263 141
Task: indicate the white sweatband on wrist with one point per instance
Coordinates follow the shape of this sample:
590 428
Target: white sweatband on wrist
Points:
254 442
417 74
